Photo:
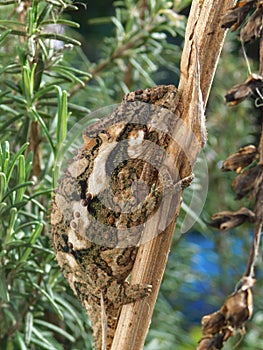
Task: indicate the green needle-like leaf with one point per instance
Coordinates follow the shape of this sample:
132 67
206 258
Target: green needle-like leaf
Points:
36 233
62 21
4 294
64 38
55 329
26 83
3 183
6 157
44 128
12 221
29 326
41 341
51 300
20 341
21 178
62 115
4 35
64 72
14 160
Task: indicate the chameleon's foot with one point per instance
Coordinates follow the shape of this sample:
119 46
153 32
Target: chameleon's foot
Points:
134 292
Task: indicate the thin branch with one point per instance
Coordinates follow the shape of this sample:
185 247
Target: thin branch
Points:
250 268
203 43
260 147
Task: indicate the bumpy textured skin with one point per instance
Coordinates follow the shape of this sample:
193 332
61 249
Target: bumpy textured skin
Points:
88 222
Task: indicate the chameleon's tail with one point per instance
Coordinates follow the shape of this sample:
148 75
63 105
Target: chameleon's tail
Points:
103 327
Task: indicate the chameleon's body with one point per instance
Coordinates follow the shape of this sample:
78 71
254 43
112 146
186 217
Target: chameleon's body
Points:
93 248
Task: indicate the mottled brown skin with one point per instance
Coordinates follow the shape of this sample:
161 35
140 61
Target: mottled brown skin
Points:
88 222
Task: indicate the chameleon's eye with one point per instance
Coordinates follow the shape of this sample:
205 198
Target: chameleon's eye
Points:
89 196
84 202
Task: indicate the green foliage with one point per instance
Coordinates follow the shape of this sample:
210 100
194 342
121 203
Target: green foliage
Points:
34 112
139 52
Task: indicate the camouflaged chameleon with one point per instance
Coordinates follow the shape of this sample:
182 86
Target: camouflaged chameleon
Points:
96 232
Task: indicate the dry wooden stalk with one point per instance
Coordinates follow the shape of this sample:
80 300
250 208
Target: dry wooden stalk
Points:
250 269
203 44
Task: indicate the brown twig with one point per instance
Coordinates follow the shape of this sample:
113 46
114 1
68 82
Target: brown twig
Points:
250 269
35 147
260 147
203 43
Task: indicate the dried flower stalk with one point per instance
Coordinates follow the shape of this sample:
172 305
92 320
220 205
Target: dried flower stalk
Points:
237 309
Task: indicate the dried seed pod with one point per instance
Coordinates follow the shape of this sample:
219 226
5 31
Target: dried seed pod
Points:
213 323
253 27
241 159
248 182
240 92
226 220
234 17
219 326
211 343
238 307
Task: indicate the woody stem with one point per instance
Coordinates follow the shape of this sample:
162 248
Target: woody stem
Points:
258 208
